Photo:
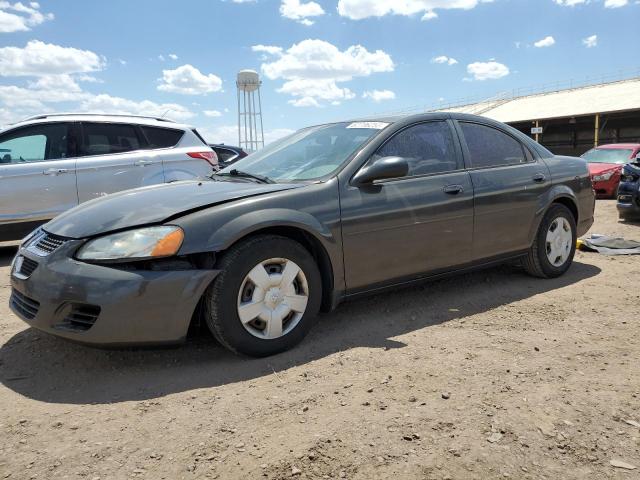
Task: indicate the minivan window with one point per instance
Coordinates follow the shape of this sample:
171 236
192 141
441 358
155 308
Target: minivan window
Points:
34 144
489 147
428 148
106 138
162 137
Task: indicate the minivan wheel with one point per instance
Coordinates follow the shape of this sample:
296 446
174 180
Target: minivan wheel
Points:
553 249
266 296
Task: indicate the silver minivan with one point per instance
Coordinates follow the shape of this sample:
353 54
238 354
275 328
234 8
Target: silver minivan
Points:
51 163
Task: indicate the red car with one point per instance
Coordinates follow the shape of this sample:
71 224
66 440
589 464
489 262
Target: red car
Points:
605 166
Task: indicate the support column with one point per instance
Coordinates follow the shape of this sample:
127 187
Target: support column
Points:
537 134
596 133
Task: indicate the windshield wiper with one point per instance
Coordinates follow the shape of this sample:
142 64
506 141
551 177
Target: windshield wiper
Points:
238 173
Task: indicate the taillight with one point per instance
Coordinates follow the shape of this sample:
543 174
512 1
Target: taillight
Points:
210 157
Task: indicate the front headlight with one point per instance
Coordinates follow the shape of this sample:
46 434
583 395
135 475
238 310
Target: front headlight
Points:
604 177
142 243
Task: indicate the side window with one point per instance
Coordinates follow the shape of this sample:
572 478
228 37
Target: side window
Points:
36 143
105 138
225 154
162 137
489 147
428 147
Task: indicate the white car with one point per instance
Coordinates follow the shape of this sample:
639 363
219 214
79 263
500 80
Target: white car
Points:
50 163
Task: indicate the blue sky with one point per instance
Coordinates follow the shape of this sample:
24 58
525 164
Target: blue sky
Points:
320 60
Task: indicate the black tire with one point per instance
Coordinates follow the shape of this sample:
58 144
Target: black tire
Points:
220 299
536 262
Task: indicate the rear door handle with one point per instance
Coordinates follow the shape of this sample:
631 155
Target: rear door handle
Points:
453 189
55 171
142 163
539 178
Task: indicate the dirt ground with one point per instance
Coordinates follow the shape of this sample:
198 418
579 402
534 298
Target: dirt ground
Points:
489 375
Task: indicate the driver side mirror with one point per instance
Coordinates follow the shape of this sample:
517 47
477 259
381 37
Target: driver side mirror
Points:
383 168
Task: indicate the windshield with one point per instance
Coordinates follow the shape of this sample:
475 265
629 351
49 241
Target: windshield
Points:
308 154
608 155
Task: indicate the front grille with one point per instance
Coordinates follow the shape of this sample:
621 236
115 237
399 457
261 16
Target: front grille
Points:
28 267
46 244
49 243
81 317
23 305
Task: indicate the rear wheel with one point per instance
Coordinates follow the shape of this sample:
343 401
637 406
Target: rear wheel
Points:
266 296
554 247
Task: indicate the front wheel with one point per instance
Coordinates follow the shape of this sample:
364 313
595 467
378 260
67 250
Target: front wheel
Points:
266 296
553 249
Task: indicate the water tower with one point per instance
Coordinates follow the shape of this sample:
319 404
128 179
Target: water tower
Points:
249 137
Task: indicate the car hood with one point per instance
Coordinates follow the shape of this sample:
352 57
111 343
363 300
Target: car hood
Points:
598 168
153 204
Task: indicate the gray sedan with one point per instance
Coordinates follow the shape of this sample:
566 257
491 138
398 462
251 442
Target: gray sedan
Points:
331 212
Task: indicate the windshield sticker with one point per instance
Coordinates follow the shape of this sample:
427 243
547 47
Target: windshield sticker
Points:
371 125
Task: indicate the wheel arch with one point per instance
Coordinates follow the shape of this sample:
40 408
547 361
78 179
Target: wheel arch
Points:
568 202
295 225
559 195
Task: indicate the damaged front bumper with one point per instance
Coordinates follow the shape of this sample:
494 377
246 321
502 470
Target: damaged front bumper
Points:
103 305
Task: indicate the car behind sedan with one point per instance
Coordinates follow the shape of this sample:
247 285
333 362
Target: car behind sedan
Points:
605 166
629 191
72 158
329 213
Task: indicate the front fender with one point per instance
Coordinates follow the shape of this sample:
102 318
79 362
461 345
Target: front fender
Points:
229 233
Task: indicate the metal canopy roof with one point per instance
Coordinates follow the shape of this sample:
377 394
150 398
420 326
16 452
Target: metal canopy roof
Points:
603 98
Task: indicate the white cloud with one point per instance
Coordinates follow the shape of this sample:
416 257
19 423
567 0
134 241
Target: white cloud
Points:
379 95
39 58
545 42
312 70
487 70
607 3
173 56
18 17
309 91
188 80
359 9
615 3
63 93
570 3
300 11
591 41
212 113
105 103
269 49
444 59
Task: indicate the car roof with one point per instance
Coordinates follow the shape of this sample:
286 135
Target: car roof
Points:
616 146
224 145
100 117
417 117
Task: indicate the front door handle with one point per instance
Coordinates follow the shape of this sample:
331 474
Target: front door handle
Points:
55 171
453 189
539 178
142 163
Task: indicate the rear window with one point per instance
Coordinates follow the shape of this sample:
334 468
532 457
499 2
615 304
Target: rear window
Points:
224 154
106 138
608 155
162 137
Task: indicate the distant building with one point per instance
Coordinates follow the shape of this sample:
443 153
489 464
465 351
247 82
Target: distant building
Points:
571 121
